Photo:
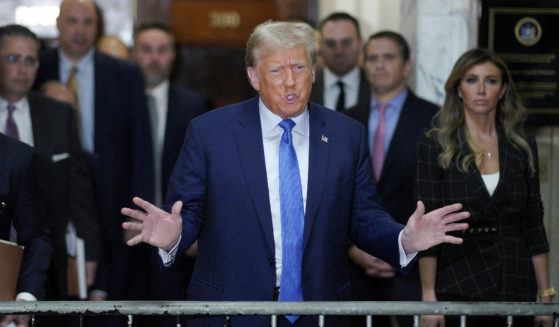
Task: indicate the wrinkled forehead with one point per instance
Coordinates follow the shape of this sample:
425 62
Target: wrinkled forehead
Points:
264 52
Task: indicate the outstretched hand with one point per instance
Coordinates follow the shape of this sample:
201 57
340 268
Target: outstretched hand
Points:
426 230
154 226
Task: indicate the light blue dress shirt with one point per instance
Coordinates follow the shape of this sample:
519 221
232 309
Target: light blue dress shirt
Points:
86 94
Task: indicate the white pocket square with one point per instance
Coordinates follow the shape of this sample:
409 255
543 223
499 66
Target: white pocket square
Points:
60 156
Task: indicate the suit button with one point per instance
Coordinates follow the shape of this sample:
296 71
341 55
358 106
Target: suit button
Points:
271 261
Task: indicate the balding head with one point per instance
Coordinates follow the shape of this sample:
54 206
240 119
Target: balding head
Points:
113 46
77 27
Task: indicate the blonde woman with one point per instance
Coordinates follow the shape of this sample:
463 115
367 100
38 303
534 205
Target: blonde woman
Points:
477 154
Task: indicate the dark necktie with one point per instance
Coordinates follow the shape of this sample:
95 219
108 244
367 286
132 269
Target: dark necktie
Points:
378 143
340 105
292 219
11 127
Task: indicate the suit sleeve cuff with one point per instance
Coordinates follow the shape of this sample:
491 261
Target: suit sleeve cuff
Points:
25 296
405 259
169 257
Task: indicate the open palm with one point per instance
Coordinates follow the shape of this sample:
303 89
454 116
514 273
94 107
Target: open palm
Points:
153 225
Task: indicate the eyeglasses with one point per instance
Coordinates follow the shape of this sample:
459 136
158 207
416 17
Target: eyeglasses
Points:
30 62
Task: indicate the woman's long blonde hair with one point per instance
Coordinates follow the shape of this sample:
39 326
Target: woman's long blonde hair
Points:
450 124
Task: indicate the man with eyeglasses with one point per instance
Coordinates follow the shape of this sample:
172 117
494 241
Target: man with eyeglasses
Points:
341 84
64 184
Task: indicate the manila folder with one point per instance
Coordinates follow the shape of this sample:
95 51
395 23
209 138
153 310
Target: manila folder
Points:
10 261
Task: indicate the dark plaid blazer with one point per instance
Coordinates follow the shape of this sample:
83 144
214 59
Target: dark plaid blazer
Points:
506 229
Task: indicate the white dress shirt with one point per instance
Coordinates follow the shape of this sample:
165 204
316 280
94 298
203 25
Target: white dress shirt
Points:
351 82
160 94
271 137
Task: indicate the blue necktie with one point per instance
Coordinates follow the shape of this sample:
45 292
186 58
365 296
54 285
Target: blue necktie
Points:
292 219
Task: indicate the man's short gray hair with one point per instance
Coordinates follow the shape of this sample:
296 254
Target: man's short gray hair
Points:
271 36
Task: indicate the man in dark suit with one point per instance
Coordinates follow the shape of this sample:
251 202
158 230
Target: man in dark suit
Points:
114 127
406 117
341 84
64 181
274 188
171 108
18 206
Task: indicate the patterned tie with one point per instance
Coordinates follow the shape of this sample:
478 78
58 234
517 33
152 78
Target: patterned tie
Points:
340 105
72 84
378 143
11 127
292 219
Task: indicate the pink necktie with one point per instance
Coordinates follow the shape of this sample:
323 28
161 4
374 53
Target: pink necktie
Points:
378 143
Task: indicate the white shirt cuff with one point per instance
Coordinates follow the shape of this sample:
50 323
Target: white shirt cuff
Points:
25 296
405 259
169 257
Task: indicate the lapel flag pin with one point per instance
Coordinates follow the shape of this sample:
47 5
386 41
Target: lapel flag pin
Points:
324 139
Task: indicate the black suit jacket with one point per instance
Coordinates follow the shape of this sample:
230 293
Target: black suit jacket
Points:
397 182
182 106
65 183
506 228
122 137
317 92
122 148
18 204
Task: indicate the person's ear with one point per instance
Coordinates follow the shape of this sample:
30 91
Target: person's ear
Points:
253 77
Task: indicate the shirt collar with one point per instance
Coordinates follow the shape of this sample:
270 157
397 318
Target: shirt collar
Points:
67 65
397 102
160 90
351 79
20 105
270 121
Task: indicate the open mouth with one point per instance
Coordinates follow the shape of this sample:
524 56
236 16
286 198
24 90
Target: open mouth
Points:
291 98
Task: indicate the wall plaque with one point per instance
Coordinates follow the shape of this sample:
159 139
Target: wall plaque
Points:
218 23
523 33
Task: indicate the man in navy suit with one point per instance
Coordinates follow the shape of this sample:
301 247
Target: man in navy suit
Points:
115 131
49 126
19 206
228 191
407 117
171 108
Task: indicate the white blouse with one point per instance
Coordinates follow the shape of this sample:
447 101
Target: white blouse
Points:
491 181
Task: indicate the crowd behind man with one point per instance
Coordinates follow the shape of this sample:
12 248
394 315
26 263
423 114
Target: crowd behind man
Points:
103 130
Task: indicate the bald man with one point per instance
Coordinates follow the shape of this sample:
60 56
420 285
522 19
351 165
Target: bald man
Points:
115 132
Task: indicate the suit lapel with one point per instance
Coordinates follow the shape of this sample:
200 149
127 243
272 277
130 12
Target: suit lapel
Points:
319 149
248 136
102 93
400 139
505 169
38 122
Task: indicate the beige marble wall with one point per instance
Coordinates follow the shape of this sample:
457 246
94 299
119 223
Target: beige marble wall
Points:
548 153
